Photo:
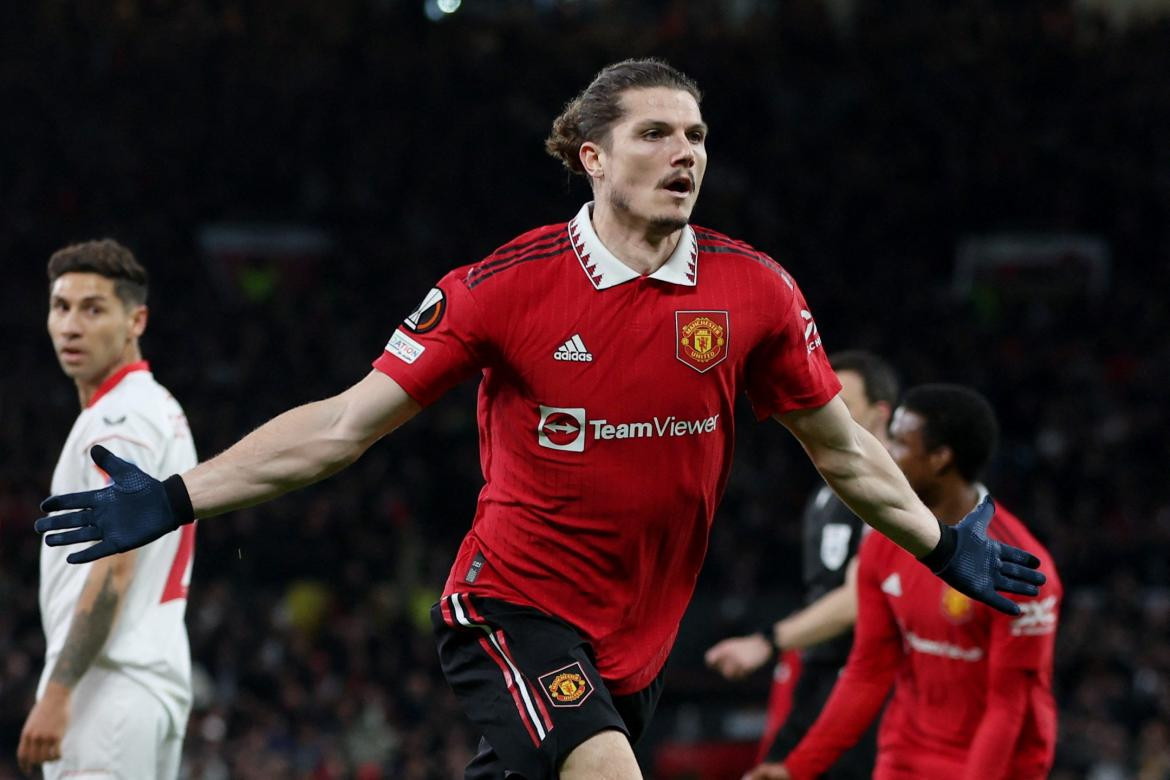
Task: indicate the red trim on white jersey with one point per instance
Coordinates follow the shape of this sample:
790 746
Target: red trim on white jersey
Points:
113 380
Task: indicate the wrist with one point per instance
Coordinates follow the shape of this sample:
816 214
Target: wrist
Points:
937 559
179 499
768 633
56 693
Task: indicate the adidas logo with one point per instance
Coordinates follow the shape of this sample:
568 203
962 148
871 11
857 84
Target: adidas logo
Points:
573 350
892 585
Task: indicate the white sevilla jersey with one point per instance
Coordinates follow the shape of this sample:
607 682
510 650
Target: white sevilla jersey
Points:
134 417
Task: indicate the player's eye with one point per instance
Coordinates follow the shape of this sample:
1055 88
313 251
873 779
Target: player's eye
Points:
652 134
697 136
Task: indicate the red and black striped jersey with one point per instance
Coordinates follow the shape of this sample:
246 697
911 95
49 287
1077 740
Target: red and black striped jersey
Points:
606 418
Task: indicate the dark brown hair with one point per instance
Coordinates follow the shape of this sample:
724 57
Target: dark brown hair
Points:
590 115
106 258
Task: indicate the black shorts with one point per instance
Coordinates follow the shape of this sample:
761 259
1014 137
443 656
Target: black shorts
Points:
529 682
813 687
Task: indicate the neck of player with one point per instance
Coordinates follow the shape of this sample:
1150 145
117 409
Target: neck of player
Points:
632 240
955 501
87 388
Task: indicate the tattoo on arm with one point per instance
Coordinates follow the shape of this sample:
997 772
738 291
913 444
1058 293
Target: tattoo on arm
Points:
87 635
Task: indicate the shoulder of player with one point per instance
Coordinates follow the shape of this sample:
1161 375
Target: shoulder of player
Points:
522 253
717 247
138 403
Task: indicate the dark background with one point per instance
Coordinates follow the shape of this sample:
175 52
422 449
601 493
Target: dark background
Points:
295 175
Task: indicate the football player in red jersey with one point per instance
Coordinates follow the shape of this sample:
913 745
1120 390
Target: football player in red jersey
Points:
611 349
972 687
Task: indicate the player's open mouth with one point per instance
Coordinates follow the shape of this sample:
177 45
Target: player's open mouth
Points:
681 185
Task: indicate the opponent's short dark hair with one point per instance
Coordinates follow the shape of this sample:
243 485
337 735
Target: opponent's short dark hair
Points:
590 115
879 377
108 258
957 417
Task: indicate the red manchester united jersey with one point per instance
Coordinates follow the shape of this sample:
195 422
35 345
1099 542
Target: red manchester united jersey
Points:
605 418
972 686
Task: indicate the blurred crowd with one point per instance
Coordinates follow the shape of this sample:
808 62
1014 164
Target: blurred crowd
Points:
859 149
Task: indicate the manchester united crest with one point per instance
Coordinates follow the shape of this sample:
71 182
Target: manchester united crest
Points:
567 686
701 338
956 607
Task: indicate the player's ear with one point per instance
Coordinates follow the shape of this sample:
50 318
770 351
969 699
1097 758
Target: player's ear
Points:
941 458
138 316
592 158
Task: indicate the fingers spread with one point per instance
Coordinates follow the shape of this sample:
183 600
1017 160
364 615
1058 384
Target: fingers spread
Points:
110 463
63 522
84 500
89 533
1016 555
1003 604
89 554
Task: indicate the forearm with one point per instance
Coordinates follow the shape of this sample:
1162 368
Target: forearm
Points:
829 616
93 620
299 447
865 477
294 449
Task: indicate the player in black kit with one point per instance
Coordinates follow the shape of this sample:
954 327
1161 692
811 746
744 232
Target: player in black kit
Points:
822 630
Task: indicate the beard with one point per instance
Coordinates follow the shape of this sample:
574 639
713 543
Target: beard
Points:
660 224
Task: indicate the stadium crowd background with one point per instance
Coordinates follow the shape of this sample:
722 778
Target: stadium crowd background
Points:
858 143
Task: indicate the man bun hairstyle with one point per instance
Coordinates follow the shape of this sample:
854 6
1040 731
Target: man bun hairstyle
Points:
878 376
957 417
108 258
590 115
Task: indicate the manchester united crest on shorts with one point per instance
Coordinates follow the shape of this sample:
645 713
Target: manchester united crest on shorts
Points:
567 686
701 338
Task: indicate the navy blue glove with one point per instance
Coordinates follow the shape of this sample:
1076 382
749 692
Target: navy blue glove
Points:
977 566
134 510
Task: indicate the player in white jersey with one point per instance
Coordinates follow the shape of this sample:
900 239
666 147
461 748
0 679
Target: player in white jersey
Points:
115 692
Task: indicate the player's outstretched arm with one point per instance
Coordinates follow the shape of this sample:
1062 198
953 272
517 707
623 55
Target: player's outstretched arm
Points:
860 471
294 449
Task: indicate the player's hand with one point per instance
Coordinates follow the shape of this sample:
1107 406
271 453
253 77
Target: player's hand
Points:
978 566
768 772
40 739
134 510
739 656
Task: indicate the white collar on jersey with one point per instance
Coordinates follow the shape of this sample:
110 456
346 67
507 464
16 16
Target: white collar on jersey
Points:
605 270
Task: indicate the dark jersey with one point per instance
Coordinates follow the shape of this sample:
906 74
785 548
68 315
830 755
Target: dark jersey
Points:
832 536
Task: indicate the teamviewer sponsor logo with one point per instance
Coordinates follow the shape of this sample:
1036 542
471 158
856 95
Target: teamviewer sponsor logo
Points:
564 428
561 429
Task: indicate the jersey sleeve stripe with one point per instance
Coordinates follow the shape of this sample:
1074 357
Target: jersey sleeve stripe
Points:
758 257
504 256
473 283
